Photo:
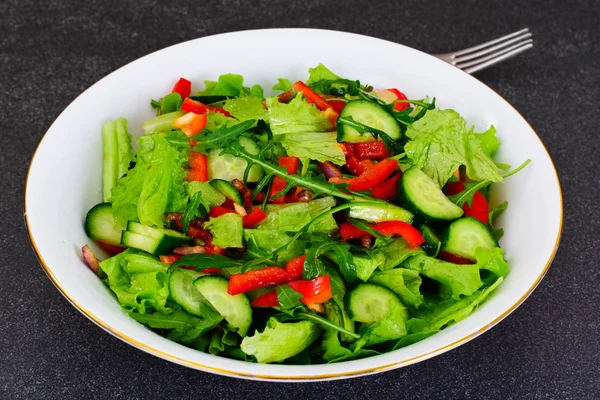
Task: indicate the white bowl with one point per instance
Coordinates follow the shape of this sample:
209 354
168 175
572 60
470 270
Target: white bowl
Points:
64 179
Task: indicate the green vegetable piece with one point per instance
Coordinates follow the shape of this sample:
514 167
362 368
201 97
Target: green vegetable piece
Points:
319 146
385 212
497 233
282 84
245 108
297 116
440 143
320 72
110 161
489 141
366 265
209 196
293 217
280 340
405 283
395 251
185 328
171 103
162 123
226 230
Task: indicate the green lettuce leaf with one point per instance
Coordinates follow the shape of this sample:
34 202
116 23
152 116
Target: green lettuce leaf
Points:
405 283
417 330
320 72
245 108
292 217
154 186
440 143
280 340
497 233
282 84
366 265
395 251
184 327
331 343
295 116
267 241
227 230
489 141
319 146
460 279
230 85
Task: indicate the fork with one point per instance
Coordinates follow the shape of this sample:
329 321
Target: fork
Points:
487 54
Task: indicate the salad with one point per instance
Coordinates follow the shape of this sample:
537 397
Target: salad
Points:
331 222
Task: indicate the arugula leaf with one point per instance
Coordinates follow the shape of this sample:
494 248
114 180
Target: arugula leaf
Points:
363 129
440 143
320 72
202 261
282 84
222 137
309 316
313 266
336 87
192 210
466 196
497 233
288 298
345 261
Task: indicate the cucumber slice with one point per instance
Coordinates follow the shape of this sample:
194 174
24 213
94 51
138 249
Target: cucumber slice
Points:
371 114
228 190
228 167
464 236
388 212
419 193
369 303
153 240
100 224
432 241
236 309
183 291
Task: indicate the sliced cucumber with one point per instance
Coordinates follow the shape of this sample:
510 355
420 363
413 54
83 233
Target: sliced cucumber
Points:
464 236
100 224
432 241
210 197
388 212
236 309
228 190
371 114
183 291
228 167
419 193
369 303
153 240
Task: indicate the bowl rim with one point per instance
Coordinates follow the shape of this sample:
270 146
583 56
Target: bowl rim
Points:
299 378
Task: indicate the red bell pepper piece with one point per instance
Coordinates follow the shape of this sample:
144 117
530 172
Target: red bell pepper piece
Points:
387 189
212 249
254 218
111 248
409 233
217 211
183 87
357 167
195 175
291 165
199 165
197 107
479 209
255 279
295 267
451 258
338 181
374 175
347 149
170 259
371 150
259 198
337 105
455 188
311 96
190 123
314 291
399 96
268 299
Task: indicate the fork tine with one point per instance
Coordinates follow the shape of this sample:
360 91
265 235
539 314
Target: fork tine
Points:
466 64
489 50
498 59
490 43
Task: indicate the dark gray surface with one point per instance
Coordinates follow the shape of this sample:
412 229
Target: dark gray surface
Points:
548 348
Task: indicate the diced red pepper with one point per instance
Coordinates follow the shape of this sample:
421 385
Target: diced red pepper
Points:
195 175
455 188
371 150
315 291
268 299
197 107
374 175
311 96
337 105
228 203
111 248
212 249
347 149
255 279
183 87
291 165
199 165
338 181
217 211
170 259
254 218
190 123
260 197
356 167
386 190
399 96
409 233
451 258
479 209
295 267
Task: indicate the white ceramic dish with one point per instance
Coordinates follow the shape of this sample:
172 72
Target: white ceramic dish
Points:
64 178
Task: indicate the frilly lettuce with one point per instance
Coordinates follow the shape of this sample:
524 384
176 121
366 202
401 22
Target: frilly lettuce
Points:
226 230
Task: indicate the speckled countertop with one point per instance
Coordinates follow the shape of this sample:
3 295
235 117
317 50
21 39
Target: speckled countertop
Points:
549 347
